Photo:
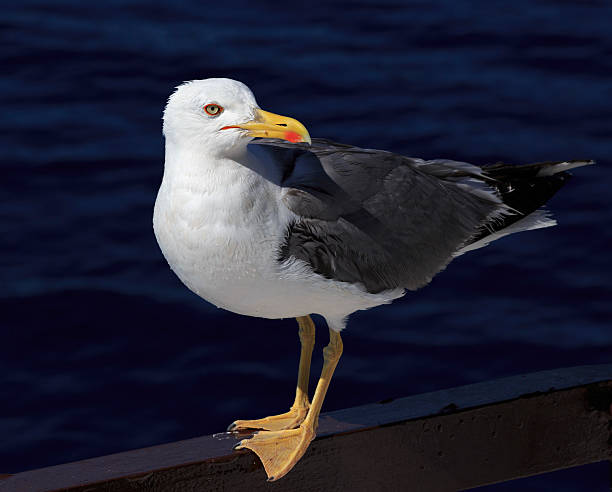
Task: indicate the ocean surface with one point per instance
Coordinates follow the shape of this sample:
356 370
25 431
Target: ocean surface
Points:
102 349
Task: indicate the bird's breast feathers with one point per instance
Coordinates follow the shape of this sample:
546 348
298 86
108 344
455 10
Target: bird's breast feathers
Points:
217 228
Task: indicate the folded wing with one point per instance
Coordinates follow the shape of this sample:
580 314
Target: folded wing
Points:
388 221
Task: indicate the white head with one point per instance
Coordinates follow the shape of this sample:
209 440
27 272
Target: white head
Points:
220 115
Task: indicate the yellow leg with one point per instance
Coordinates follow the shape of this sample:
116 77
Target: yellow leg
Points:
299 409
279 451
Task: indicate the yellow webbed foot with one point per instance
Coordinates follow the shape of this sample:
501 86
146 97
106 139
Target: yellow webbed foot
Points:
289 420
282 445
279 451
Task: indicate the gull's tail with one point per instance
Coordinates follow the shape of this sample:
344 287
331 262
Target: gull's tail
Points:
523 189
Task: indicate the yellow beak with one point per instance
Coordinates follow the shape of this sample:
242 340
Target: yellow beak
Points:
270 125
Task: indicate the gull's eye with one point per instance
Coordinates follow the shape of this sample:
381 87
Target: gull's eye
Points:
213 109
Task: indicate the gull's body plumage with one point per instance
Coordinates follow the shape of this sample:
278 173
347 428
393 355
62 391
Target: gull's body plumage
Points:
221 227
274 229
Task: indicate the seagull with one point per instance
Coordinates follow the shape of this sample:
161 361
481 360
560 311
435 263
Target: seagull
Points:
257 218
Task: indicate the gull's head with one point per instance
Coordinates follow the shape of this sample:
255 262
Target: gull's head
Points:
220 115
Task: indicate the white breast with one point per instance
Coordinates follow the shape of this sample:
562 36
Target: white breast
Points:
219 231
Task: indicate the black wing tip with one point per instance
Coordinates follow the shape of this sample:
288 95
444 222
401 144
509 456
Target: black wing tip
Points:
501 171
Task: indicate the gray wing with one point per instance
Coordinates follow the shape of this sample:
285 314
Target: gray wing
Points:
374 217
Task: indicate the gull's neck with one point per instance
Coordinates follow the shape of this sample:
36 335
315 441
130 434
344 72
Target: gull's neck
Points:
193 160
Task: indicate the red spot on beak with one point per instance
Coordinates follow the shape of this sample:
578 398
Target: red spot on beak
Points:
228 127
293 137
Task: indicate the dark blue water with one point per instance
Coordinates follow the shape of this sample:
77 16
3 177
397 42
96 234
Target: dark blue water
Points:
103 350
